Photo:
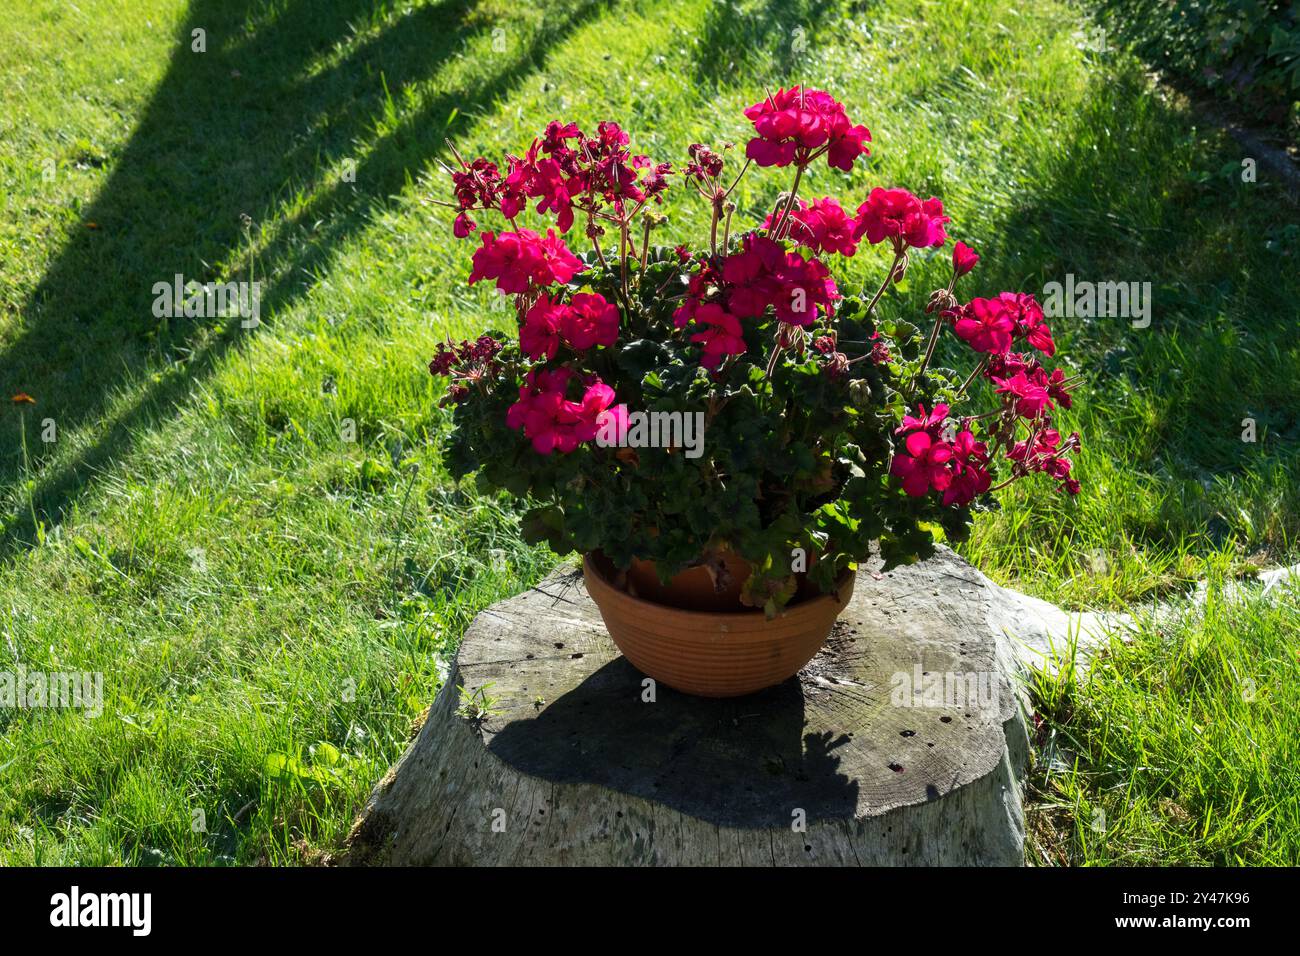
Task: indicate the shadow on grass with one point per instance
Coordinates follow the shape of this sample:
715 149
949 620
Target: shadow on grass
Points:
255 119
735 33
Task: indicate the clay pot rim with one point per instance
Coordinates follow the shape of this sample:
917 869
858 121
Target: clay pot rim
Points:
810 607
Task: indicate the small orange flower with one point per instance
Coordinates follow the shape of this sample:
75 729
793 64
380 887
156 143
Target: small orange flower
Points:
23 397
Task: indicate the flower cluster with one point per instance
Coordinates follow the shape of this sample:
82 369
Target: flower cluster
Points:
822 226
1028 391
549 419
563 170
585 321
762 274
1044 452
798 125
956 467
831 426
705 166
523 260
992 325
897 215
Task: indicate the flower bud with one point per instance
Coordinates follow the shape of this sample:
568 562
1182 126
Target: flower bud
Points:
860 392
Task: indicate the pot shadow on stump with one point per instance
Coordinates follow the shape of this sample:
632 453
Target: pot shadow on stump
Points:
740 762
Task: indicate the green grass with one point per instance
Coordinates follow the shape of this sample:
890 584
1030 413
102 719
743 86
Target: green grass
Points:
269 603
1181 747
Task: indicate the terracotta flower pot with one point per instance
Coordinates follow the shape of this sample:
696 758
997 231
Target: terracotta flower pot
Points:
695 589
713 653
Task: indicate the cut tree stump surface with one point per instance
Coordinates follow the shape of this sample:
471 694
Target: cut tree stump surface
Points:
574 765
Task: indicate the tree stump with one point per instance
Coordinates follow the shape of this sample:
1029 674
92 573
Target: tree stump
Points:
861 759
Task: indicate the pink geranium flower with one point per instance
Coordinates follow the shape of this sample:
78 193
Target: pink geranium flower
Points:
1029 321
510 258
1047 456
963 259
970 474
596 400
751 276
520 259
558 265
986 326
552 422
721 336
794 124
539 336
542 413
763 274
822 226
463 225
1059 389
1027 393
804 285
924 420
589 320
613 424
897 215
925 465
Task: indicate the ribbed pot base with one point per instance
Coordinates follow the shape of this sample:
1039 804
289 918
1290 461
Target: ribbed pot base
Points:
714 654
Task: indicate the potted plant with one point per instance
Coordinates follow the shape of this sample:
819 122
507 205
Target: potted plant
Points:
720 429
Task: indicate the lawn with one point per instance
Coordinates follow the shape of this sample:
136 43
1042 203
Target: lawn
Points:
250 533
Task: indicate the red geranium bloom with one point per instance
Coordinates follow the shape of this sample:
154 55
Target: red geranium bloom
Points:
897 215
1059 391
963 259
722 335
793 124
970 474
1047 455
519 259
613 422
751 276
925 465
539 336
986 326
823 226
804 284
1028 393
558 263
509 258
593 409
924 421
590 320
1005 366
549 420
551 423
1028 316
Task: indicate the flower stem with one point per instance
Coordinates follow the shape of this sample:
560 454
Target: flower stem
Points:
929 348
736 181
645 249
983 364
898 257
771 363
775 232
713 226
